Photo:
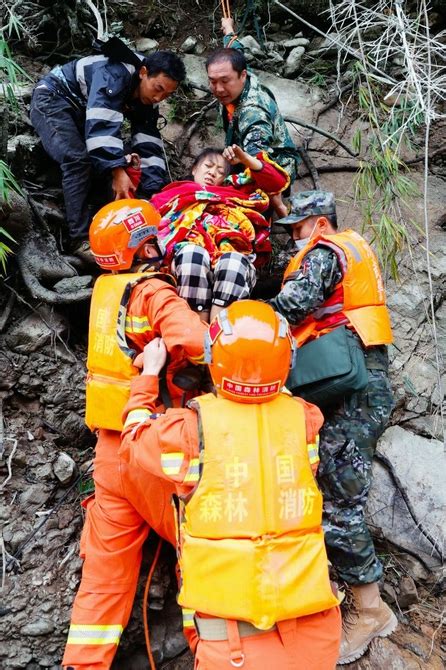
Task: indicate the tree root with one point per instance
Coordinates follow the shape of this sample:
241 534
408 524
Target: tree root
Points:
38 258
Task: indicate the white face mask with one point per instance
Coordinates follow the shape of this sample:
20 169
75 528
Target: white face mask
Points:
300 244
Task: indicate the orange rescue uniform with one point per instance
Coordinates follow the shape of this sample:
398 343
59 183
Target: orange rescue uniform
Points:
121 514
168 448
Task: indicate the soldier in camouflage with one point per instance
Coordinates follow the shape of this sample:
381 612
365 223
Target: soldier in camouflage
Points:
352 425
251 117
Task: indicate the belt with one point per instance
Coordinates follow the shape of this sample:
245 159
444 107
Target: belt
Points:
215 629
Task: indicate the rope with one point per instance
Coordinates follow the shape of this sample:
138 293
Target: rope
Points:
145 603
225 9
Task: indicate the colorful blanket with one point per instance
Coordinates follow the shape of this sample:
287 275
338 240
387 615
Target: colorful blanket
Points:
218 218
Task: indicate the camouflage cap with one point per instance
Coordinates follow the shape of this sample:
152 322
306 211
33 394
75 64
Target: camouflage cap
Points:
309 203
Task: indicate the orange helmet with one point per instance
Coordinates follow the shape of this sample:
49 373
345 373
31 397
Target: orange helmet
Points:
119 229
249 349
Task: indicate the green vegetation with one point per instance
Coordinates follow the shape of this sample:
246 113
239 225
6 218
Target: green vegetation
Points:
382 185
10 75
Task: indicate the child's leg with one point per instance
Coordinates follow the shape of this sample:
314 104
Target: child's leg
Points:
192 267
234 279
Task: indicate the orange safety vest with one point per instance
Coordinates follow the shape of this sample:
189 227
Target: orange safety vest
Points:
109 359
359 300
251 545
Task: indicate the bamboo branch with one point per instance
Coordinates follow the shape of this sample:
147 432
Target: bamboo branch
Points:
380 75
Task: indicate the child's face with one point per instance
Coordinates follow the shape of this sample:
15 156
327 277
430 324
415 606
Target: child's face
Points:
210 171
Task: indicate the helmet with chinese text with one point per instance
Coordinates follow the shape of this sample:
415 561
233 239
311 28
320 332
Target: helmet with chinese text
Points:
119 229
249 349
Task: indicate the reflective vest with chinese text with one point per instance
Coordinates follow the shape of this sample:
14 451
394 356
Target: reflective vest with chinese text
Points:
250 535
109 359
359 299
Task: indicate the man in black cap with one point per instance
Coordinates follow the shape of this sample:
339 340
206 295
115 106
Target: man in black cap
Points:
334 281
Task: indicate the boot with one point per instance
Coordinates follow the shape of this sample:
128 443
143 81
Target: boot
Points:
82 250
367 617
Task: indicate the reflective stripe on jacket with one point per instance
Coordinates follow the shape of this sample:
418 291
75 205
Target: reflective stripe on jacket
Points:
105 89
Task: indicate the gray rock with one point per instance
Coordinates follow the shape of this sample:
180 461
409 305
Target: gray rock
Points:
145 44
427 426
34 494
275 58
36 330
200 48
44 471
408 594
384 653
25 143
189 45
279 37
36 628
407 302
5 512
418 465
293 61
389 592
413 567
295 42
64 468
319 44
252 45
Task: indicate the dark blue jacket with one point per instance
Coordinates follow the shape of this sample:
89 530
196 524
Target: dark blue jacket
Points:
104 90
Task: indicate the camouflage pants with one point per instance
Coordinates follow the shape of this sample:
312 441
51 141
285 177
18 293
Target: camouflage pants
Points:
347 444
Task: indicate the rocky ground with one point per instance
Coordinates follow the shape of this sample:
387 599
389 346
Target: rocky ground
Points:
45 449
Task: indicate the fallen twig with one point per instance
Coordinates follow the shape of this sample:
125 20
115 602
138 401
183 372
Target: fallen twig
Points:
333 100
321 131
312 170
9 461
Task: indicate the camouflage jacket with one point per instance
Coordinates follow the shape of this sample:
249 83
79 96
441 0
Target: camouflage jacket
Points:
257 125
310 287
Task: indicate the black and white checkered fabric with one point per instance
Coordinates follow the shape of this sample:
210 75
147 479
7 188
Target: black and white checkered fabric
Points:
232 278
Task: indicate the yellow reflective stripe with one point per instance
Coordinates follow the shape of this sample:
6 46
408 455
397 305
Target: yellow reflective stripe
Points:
94 634
196 359
188 618
193 472
313 451
136 416
171 463
136 319
137 324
